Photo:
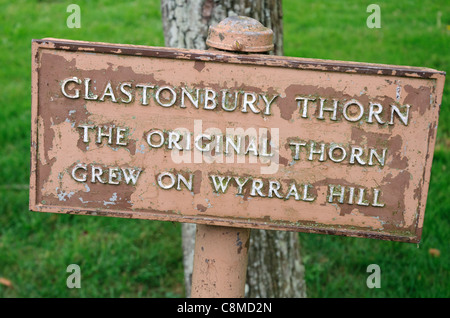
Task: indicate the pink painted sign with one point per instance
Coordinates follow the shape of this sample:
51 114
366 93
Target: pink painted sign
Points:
219 138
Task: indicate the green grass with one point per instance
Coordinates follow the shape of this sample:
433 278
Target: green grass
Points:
134 258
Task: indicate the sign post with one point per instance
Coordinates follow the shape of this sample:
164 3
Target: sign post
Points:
229 140
221 253
220 261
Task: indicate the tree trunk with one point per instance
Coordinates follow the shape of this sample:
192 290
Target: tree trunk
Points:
186 22
274 267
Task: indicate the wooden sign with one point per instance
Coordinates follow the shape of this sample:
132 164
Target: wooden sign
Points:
253 141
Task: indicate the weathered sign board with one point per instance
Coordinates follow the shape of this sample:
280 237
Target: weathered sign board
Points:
253 141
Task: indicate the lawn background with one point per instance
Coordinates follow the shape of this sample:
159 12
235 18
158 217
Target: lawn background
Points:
135 258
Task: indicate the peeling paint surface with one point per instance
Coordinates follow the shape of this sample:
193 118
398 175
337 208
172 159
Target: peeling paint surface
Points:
60 155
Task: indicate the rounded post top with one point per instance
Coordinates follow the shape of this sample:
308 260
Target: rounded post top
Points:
241 34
